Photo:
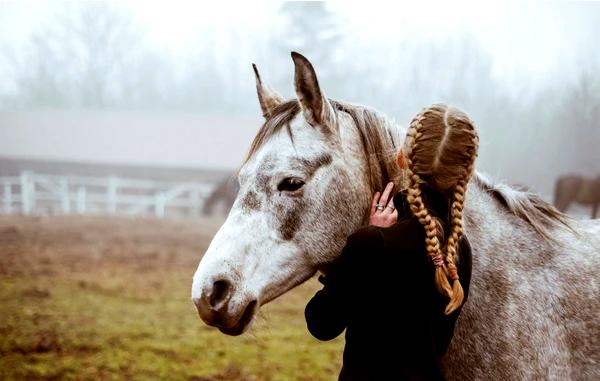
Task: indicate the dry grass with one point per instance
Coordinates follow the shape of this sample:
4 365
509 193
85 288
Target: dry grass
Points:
85 298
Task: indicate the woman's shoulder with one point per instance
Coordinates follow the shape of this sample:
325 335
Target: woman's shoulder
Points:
366 235
361 247
405 234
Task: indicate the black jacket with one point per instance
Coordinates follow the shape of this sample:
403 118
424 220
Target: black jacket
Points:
382 291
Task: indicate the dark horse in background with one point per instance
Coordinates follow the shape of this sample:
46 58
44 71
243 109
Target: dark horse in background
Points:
222 197
579 189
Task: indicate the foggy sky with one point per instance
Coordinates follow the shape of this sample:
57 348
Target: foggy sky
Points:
519 69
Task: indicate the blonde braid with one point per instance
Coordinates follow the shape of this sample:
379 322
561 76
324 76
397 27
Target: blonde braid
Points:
441 143
422 213
456 232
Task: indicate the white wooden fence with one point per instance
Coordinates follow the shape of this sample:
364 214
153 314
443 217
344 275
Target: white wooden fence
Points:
34 193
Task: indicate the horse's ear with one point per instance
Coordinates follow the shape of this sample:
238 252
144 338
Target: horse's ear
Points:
268 98
315 106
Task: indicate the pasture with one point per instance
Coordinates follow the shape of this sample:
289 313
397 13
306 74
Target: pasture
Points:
95 298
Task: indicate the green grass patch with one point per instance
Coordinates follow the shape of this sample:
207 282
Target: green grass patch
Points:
105 320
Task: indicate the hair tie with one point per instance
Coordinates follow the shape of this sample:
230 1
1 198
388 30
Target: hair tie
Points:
438 260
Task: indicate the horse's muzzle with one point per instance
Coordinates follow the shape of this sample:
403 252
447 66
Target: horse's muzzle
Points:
214 308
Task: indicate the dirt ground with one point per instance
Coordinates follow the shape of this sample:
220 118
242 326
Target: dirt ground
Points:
85 298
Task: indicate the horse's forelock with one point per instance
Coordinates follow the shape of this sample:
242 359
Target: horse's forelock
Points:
281 117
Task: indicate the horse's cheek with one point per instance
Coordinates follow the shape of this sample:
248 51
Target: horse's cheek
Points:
344 212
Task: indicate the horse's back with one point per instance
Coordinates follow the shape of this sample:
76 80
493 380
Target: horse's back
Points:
578 307
533 306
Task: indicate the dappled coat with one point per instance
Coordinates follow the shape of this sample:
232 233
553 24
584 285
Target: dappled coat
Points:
382 291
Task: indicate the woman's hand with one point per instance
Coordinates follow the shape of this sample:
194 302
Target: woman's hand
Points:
383 212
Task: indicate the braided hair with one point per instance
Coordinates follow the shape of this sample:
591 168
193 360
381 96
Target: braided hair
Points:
441 146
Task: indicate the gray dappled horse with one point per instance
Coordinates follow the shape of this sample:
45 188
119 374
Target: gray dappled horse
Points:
533 309
579 189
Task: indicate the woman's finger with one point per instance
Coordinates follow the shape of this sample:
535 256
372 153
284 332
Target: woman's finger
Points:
386 194
390 208
374 202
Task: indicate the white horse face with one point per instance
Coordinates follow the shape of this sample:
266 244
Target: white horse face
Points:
294 210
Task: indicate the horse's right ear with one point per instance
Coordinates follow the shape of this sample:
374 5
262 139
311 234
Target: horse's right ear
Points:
268 98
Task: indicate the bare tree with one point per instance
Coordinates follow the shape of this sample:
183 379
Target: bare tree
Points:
88 56
580 121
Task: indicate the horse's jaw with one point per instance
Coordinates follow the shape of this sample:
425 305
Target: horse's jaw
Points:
244 306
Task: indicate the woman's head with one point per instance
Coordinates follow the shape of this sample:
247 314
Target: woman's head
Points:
440 150
443 144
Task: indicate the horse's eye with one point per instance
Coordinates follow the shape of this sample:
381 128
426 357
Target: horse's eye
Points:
290 184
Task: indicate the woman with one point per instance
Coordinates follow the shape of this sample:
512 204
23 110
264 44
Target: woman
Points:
397 304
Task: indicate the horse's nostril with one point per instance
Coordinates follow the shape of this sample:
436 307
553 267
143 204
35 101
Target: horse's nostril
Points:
220 293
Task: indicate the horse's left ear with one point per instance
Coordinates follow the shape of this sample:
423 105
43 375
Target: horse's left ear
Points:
268 98
315 106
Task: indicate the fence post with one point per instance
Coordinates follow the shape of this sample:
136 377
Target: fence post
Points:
7 199
159 204
81 196
194 207
29 192
65 201
26 193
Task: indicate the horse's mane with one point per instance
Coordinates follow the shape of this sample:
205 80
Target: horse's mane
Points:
380 148
379 140
530 207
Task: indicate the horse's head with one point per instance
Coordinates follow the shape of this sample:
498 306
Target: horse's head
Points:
303 189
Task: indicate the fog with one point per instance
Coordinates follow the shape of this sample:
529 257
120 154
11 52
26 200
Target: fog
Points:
172 84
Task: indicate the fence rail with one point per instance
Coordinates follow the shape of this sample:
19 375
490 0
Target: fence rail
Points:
34 193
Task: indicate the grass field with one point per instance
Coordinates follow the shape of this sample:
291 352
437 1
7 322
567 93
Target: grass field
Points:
91 298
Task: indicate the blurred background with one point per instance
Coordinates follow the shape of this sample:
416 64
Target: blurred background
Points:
145 109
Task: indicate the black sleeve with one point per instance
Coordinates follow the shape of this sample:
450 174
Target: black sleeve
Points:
465 264
327 312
